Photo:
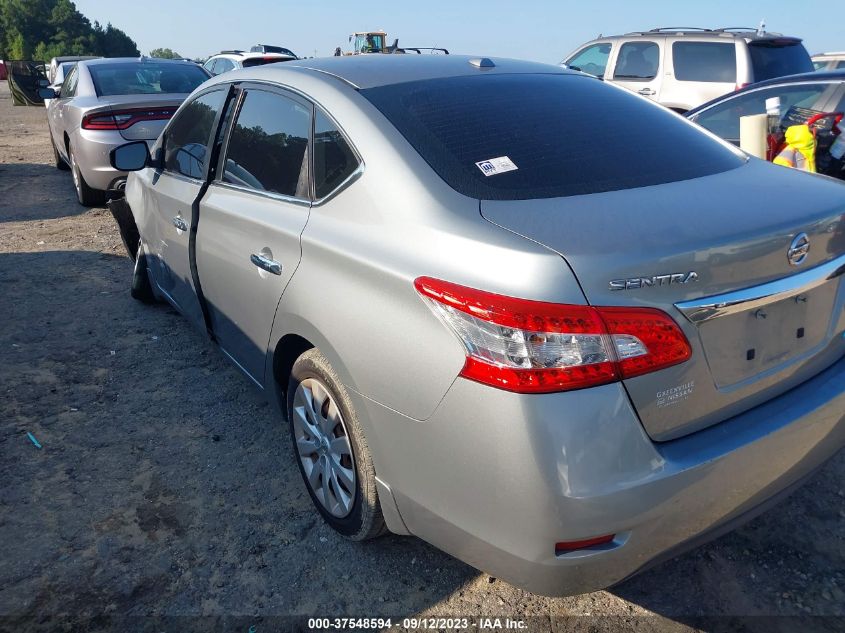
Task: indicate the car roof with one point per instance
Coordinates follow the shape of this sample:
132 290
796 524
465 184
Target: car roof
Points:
112 60
817 77
731 33
379 69
250 54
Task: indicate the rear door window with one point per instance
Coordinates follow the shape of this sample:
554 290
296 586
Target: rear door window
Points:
637 61
187 136
723 118
69 84
523 136
776 58
591 60
704 61
267 149
334 159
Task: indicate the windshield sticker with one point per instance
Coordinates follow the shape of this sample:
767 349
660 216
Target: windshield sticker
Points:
496 166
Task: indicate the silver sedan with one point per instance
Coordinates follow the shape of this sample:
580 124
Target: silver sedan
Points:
101 104
544 324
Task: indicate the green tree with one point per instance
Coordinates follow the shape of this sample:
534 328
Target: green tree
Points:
42 29
112 42
165 53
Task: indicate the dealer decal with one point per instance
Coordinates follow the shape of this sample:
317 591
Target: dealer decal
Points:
674 395
496 166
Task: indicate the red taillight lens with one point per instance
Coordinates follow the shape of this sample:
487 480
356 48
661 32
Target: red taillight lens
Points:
636 329
122 119
538 347
564 547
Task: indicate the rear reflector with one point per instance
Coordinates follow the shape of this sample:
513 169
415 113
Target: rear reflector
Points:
122 119
538 347
565 547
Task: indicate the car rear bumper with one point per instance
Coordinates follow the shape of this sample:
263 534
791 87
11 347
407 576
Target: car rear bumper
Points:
92 149
496 479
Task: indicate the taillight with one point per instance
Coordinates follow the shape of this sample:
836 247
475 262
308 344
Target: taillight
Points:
539 347
122 119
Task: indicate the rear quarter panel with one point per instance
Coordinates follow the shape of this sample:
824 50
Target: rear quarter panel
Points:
353 294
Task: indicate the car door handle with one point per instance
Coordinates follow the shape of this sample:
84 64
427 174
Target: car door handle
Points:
179 223
647 92
265 263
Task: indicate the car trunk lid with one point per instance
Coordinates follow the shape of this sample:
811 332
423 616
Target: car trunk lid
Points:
140 117
713 253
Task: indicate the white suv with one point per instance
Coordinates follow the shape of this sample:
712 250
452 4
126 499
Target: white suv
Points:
682 68
829 61
230 60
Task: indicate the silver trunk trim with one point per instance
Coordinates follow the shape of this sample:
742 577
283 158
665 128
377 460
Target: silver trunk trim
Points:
699 311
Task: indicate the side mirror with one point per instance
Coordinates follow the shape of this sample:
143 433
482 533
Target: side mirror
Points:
47 93
130 157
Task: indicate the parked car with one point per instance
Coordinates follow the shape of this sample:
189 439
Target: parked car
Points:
58 79
829 61
26 78
103 103
56 62
230 60
558 351
268 48
816 92
681 68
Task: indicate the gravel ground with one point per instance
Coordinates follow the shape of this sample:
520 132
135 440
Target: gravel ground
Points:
165 487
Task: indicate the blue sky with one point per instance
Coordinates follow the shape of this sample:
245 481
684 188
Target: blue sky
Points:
541 31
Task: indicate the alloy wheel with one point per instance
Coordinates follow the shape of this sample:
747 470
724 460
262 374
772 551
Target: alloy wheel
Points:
323 447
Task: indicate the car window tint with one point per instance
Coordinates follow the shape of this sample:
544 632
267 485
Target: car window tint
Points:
209 65
704 61
592 60
637 61
267 146
840 65
334 160
770 59
186 138
69 85
723 118
261 61
145 77
556 134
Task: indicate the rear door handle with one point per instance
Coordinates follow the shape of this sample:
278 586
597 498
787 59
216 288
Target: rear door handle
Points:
265 263
647 92
179 223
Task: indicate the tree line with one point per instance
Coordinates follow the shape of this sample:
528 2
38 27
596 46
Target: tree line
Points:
43 29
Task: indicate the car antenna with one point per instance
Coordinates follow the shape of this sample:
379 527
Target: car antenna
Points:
761 30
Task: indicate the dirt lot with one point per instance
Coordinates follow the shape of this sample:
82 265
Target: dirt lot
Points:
165 486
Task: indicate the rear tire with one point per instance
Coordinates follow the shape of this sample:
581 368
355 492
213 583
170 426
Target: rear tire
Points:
333 419
87 196
141 289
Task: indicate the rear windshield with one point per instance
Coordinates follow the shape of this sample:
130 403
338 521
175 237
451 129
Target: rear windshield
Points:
260 61
142 78
521 136
770 59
